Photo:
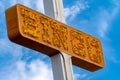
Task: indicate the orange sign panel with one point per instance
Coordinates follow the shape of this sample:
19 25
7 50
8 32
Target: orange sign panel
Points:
39 32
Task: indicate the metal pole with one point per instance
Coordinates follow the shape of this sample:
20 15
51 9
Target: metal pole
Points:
61 63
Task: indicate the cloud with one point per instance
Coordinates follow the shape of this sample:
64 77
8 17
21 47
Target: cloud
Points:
101 19
36 70
39 5
72 11
16 69
103 22
2 7
6 47
35 4
79 76
90 78
106 17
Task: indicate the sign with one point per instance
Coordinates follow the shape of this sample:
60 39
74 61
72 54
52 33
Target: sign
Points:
39 32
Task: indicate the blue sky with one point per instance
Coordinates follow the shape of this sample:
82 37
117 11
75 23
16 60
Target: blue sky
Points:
99 18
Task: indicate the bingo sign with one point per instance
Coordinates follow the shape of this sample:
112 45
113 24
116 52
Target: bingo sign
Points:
41 33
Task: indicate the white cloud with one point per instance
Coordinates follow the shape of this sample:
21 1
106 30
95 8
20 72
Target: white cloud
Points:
105 19
89 78
6 47
79 76
36 4
74 10
103 22
2 7
21 70
39 5
36 70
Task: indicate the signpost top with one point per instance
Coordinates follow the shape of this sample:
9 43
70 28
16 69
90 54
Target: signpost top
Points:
44 34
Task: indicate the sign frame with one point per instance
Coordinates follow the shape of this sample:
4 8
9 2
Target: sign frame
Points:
15 34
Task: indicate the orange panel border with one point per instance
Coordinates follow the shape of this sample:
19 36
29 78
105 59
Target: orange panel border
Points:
44 34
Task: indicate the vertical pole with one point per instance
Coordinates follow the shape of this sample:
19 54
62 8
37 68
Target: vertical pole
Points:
54 9
61 62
